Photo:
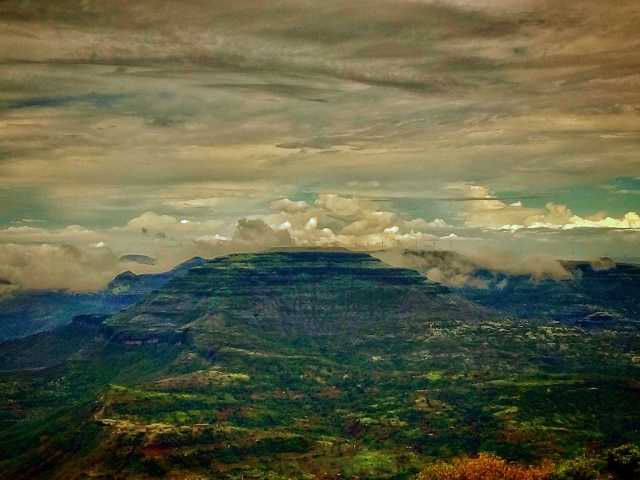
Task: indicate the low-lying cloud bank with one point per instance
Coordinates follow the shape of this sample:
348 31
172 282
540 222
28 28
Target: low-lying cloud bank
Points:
459 270
81 259
64 266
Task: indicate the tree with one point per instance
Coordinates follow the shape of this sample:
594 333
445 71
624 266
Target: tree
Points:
484 467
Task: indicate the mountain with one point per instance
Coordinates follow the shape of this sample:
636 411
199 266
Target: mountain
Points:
129 283
596 294
291 294
593 296
26 312
320 364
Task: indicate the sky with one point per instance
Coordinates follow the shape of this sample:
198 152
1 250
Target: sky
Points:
180 128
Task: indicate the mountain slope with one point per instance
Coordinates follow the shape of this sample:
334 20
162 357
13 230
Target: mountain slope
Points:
309 364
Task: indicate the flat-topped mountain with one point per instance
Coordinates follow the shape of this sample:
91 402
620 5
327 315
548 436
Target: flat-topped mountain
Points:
290 293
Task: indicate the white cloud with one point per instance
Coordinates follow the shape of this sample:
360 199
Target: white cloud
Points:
436 223
330 221
630 220
458 270
286 205
168 225
483 210
68 234
256 234
350 222
311 224
57 266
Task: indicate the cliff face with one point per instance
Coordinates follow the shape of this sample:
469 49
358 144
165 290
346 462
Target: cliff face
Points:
288 294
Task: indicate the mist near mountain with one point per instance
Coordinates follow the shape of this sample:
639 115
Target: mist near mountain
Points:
483 279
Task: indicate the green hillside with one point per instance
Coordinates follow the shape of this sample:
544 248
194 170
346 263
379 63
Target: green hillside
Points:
308 364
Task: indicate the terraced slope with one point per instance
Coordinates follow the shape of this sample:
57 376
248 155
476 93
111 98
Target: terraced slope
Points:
291 294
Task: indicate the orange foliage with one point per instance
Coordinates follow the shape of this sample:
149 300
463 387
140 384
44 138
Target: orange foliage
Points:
484 467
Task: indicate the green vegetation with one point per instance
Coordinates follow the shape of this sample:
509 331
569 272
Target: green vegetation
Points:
276 372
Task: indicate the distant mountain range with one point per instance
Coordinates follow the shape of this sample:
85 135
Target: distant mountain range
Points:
593 297
600 293
26 312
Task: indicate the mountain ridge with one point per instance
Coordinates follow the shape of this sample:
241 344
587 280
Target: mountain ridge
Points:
27 312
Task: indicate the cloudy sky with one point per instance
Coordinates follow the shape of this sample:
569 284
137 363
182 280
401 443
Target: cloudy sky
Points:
180 128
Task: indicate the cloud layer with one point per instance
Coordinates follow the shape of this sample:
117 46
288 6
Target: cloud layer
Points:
484 210
155 127
79 258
